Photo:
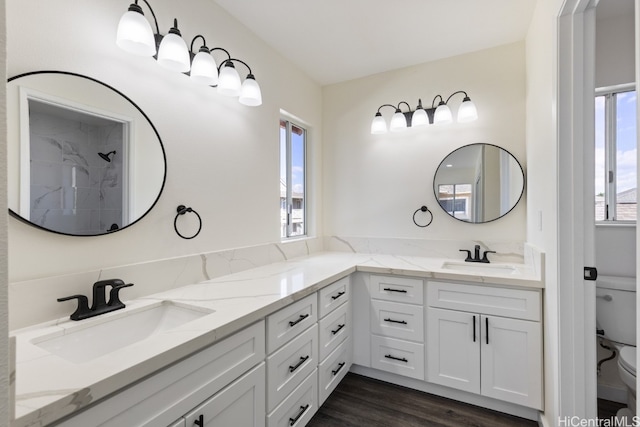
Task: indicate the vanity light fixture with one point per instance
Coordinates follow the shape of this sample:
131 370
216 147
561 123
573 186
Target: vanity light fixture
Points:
438 115
136 36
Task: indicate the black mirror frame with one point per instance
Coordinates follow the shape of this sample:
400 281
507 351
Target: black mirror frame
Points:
435 191
164 154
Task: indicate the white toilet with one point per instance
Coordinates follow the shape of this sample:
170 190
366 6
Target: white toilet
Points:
616 315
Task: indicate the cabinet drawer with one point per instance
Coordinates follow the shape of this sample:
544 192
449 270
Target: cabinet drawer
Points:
396 320
397 356
164 397
289 366
179 423
399 289
505 302
285 324
298 408
241 404
333 330
332 370
330 297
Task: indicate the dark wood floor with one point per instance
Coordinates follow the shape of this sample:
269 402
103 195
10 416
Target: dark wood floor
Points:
607 409
360 401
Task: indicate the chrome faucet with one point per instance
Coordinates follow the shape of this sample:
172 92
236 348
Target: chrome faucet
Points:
476 255
99 304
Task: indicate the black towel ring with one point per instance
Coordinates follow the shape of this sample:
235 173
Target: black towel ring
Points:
182 209
423 209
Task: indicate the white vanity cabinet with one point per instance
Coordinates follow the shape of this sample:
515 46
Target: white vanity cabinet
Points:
241 404
292 374
486 340
335 336
397 325
168 395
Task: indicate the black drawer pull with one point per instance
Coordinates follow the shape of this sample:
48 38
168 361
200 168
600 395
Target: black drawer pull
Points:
302 360
303 409
388 356
486 322
337 330
402 291
335 297
199 421
300 319
340 365
402 322
474 328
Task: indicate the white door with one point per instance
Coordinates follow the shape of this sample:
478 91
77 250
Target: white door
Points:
511 360
576 297
453 349
241 404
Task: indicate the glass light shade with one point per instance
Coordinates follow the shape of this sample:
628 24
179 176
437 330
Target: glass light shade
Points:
442 116
419 118
378 125
204 69
134 34
173 53
229 81
467 111
398 122
250 93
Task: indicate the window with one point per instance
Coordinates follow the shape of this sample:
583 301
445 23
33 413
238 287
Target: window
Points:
454 199
293 149
615 153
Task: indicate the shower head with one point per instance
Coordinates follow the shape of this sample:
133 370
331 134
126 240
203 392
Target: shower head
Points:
106 156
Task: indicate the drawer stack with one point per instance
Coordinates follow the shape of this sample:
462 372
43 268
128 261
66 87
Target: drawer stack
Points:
397 325
335 336
292 378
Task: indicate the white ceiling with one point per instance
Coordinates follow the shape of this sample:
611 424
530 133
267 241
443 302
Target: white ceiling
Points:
339 40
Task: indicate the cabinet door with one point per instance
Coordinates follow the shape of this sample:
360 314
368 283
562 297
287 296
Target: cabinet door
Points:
241 404
512 360
453 349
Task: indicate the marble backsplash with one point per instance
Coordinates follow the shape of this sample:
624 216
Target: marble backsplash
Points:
34 301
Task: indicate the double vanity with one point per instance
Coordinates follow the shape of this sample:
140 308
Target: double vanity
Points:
279 338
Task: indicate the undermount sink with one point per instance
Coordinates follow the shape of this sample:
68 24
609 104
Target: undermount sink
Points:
481 268
84 343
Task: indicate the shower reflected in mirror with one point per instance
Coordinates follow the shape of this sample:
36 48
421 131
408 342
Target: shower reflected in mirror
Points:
106 156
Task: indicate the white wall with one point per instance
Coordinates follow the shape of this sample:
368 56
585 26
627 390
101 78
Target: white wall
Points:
222 156
615 64
374 183
615 49
542 178
615 250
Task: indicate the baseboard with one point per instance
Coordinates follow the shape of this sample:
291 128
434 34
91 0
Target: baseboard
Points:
614 394
449 393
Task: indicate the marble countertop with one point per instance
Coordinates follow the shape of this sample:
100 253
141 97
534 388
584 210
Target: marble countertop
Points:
49 387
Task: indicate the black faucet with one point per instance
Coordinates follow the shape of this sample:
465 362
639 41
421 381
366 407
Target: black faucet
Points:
99 305
476 255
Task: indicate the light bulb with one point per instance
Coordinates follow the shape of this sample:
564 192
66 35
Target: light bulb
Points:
134 33
173 53
419 118
467 111
250 93
398 122
203 68
442 116
229 80
378 125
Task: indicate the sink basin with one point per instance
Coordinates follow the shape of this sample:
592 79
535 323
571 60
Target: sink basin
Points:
84 343
479 268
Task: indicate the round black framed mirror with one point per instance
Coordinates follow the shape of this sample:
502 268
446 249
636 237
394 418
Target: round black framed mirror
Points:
83 158
478 183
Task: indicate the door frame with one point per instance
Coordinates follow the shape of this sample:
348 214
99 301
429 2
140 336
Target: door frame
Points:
577 383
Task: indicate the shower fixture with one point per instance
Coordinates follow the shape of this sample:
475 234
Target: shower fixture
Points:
106 156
